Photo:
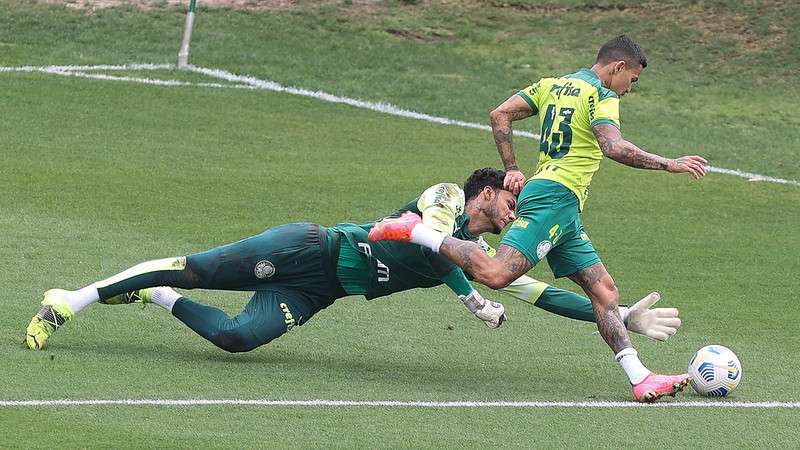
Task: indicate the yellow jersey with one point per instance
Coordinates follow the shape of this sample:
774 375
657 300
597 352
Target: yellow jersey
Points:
568 107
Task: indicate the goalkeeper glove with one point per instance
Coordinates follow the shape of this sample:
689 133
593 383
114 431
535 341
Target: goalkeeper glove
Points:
493 314
657 323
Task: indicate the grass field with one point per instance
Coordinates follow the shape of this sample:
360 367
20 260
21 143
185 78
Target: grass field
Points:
99 175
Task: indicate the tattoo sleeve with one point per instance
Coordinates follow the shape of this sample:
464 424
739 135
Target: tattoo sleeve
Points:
495 272
516 263
615 147
465 254
501 119
609 322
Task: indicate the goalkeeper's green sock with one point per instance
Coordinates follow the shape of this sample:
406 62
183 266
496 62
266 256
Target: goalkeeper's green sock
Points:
570 304
565 303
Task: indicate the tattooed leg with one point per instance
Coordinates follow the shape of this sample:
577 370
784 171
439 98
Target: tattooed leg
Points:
600 288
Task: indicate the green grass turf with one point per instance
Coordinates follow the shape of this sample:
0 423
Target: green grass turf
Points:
98 176
719 81
228 427
103 184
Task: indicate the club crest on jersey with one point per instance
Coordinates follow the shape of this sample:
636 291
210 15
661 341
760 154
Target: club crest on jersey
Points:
543 248
264 269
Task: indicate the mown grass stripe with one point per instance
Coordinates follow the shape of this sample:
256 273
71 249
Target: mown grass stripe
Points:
250 82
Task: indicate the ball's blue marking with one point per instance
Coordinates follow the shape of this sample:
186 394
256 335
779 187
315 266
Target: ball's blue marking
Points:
706 370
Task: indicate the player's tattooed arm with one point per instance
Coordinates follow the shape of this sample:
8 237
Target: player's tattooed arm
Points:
496 272
615 147
599 285
465 254
513 260
515 108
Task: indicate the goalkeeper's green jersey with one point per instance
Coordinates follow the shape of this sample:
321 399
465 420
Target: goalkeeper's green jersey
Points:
568 107
378 268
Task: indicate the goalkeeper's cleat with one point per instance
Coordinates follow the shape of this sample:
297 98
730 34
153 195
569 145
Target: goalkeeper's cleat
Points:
395 229
656 386
142 296
54 313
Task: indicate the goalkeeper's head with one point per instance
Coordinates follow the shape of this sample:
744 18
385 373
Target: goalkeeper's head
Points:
487 202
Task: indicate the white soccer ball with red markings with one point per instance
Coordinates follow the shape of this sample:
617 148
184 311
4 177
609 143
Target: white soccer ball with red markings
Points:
715 371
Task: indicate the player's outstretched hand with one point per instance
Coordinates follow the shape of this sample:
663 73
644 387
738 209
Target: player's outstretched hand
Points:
693 165
493 314
656 323
514 181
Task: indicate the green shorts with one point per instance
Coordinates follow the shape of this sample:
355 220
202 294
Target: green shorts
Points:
298 259
548 224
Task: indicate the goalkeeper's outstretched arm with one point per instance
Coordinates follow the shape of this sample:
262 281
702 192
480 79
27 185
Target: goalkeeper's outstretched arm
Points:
656 323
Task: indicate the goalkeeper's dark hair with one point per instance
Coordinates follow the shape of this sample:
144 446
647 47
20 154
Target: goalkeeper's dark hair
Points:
622 48
482 178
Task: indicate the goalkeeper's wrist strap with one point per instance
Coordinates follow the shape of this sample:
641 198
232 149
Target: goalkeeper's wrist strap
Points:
624 312
472 301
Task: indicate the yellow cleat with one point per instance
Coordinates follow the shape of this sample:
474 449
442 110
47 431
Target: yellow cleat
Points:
54 313
143 296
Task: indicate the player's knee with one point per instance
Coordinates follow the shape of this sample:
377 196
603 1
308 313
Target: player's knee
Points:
611 288
236 341
607 292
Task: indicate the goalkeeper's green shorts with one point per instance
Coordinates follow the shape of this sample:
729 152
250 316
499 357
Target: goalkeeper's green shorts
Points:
298 258
291 267
549 224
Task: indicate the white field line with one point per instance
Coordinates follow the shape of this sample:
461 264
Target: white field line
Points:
249 82
711 404
381 107
752 176
81 72
49 69
151 81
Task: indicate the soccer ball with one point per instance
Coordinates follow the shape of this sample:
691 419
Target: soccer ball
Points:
715 371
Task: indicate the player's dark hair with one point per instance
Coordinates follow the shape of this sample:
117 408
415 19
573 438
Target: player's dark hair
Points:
482 178
622 48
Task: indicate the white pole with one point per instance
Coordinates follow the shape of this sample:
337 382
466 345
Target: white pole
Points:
183 53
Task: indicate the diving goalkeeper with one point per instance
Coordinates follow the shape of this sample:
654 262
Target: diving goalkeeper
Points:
296 270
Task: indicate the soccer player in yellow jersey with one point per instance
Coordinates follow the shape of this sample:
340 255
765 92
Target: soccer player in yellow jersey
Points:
579 119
